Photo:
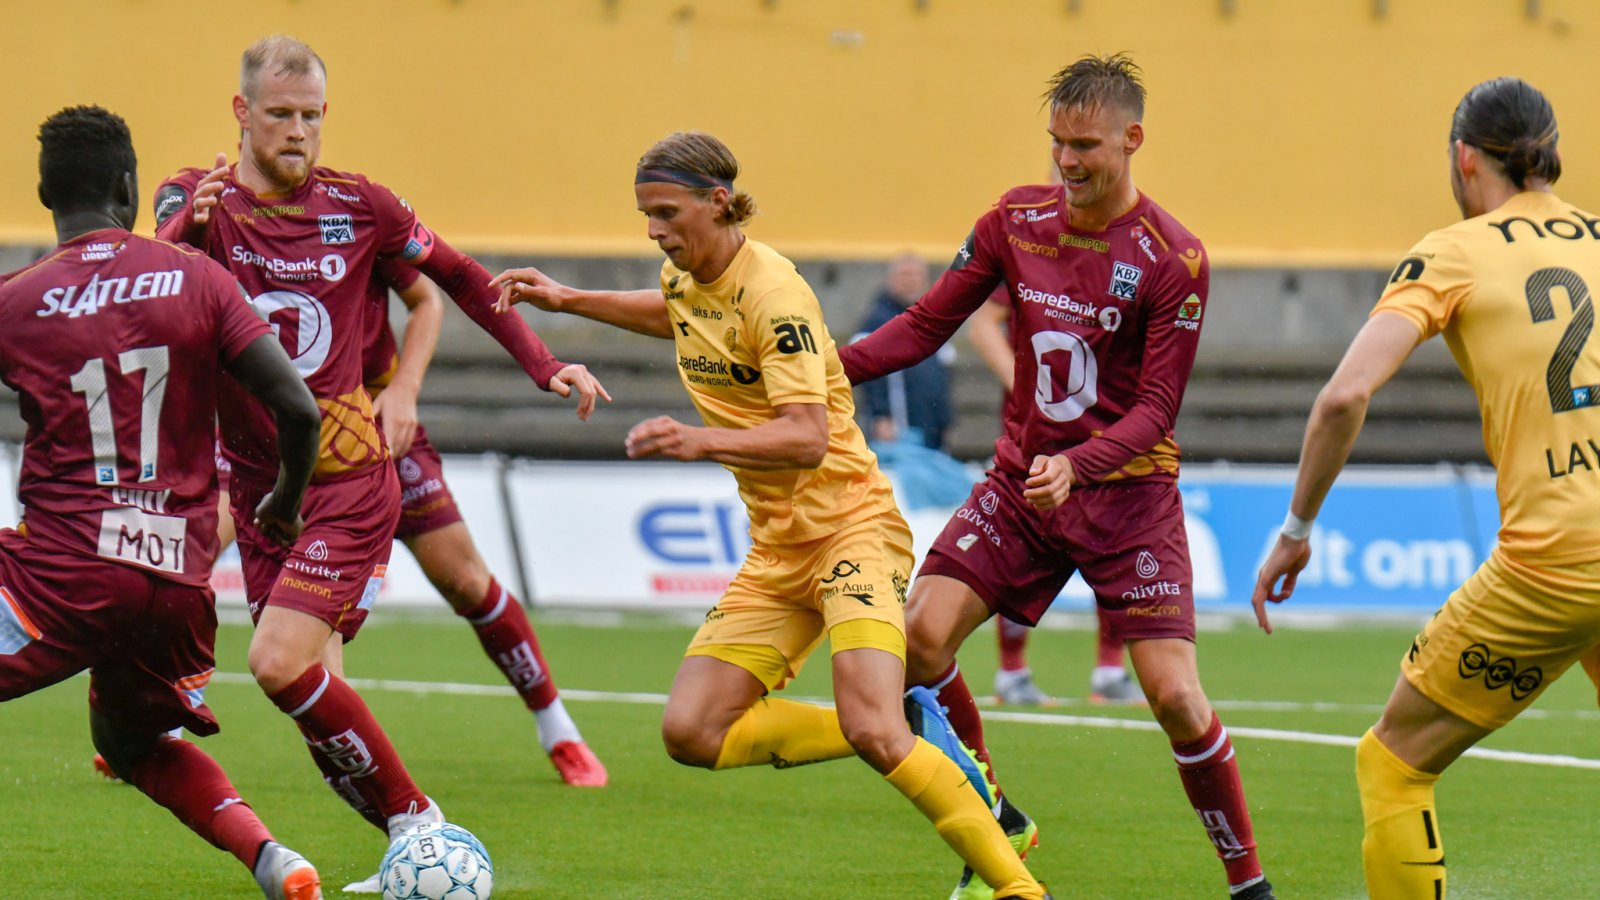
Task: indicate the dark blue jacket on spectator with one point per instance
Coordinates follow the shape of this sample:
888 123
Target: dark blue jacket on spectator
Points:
915 398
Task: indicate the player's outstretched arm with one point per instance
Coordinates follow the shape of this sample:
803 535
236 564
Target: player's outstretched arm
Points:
644 312
467 283
266 372
397 405
1336 419
796 438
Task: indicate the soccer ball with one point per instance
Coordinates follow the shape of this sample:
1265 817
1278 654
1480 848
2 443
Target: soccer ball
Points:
436 862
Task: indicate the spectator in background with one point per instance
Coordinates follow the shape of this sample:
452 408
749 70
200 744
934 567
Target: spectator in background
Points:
912 405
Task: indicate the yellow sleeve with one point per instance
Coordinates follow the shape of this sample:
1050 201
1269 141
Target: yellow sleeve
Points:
1430 285
786 329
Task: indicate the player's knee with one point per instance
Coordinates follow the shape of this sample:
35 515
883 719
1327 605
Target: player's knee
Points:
461 582
275 667
926 655
874 738
1181 708
689 742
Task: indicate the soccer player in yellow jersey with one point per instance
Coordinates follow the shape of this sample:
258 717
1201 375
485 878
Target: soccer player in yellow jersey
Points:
1509 288
830 552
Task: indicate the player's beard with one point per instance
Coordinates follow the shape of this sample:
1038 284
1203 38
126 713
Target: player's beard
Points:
285 172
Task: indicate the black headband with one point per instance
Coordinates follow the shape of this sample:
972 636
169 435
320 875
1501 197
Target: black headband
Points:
693 180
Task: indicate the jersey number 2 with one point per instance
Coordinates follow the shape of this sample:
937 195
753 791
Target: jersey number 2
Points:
1564 395
90 381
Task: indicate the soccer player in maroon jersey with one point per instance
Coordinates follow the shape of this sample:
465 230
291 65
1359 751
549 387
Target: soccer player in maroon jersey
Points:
302 240
1107 293
116 344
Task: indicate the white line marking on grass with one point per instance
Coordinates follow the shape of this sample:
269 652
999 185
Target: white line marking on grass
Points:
992 715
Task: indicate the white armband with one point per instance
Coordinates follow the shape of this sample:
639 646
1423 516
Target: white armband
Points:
1295 527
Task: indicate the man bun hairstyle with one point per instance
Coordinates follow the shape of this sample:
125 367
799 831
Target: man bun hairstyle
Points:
1511 122
695 153
83 153
284 55
1092 81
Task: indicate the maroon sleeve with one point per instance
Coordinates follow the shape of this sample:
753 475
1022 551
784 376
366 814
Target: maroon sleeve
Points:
173 211
396 274
238 323
917 333
1171 335
402 236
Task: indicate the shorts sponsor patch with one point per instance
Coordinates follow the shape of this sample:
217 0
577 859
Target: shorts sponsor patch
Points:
16 630
369 595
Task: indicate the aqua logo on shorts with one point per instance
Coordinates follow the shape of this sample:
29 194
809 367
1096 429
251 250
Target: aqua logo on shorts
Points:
1497 673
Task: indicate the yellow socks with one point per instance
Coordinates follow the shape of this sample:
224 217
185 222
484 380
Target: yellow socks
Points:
1401 850
938 788
783 734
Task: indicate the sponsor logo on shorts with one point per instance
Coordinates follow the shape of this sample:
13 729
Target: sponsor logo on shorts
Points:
989 502
973 517
1146 565
300 584
864 598
349 752
337 229
1158 589
409 470
966 541
779 762
1498 672
318 551
418 491
844 568
313 570
369 594
1168 611
901 583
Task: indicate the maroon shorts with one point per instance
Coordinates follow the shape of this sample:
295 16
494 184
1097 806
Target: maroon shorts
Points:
1127 538
425 501
334 571
148 642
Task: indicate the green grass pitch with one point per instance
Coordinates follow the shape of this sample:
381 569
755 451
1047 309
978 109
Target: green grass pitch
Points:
1113 818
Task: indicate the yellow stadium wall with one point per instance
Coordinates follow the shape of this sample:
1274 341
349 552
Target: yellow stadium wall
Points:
1289 132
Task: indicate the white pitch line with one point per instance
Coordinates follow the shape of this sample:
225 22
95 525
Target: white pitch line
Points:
992 715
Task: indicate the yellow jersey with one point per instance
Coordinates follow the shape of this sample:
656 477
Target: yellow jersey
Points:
750 341
1510 292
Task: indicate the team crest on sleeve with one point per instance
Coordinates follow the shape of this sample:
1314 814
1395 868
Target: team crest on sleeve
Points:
419 246
1124 280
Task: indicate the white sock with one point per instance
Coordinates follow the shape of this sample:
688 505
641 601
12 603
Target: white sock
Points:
1105 676
1012 676
555 725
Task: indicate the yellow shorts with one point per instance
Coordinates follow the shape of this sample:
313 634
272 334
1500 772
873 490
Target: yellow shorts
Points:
1504 636
786 597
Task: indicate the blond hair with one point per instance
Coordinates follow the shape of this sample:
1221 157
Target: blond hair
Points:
286 56
699 153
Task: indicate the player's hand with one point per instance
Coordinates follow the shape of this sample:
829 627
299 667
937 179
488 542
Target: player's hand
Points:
1050 480
528 285
396 408
1288 557
664 437
276 522
208 193
577 378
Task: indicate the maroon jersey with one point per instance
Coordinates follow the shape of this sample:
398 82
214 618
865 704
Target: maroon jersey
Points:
1104 325
306 258
380 355
114 343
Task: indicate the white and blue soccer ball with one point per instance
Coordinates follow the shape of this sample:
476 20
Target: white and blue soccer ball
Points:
440 861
